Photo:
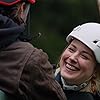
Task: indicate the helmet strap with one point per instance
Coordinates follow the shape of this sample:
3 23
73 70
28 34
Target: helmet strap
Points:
73 87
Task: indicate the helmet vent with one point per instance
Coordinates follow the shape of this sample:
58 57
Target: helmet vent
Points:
95 41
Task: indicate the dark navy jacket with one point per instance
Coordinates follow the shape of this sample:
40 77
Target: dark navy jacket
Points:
76 95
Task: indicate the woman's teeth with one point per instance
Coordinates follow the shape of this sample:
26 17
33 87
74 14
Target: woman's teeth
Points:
71 67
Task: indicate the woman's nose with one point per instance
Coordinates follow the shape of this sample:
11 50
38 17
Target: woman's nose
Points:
74 57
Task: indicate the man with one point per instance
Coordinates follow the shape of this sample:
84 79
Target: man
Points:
25 72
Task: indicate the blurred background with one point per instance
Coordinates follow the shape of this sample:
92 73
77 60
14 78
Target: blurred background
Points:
55 19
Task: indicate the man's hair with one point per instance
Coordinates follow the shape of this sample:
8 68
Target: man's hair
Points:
15 12
18 10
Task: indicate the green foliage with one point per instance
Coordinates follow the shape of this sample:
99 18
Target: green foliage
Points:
55 19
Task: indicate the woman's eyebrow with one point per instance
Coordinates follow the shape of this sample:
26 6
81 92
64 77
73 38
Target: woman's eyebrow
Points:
82 51
73 45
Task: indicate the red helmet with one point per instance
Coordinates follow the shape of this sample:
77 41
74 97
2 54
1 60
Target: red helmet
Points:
12 2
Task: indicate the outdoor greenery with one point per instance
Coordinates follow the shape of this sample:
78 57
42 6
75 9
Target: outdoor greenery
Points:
55 19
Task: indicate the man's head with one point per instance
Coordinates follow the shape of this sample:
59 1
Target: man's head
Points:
17 10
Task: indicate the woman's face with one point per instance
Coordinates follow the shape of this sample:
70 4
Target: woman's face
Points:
77 63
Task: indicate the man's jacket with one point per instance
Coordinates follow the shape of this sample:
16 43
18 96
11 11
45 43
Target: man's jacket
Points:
25 71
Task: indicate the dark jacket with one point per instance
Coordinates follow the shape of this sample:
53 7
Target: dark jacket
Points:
25 71
77 95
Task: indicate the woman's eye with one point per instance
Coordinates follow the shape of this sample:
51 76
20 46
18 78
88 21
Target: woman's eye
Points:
84 56
71 49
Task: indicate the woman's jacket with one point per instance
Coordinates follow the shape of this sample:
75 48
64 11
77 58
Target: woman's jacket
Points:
76 95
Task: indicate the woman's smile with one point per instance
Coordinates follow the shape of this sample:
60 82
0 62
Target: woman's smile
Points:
71 67
77 62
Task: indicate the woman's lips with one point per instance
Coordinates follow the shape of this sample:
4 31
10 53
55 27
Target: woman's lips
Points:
71 67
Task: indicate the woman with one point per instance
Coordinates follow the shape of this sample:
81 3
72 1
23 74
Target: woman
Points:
79 64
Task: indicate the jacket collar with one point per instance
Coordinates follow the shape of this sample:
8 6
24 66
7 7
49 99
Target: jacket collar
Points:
66 86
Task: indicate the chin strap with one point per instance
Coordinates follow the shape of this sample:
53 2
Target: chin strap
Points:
73 87
76 87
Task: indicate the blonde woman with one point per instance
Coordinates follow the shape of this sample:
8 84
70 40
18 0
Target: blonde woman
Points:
79 64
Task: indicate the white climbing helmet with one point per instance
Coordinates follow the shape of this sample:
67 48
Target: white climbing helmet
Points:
89 34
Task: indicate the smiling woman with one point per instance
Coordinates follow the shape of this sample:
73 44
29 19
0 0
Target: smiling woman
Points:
74 61
79 64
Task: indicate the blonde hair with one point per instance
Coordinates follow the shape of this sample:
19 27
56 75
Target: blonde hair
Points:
94 84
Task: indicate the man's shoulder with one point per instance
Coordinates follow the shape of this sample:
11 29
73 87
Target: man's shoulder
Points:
20 45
